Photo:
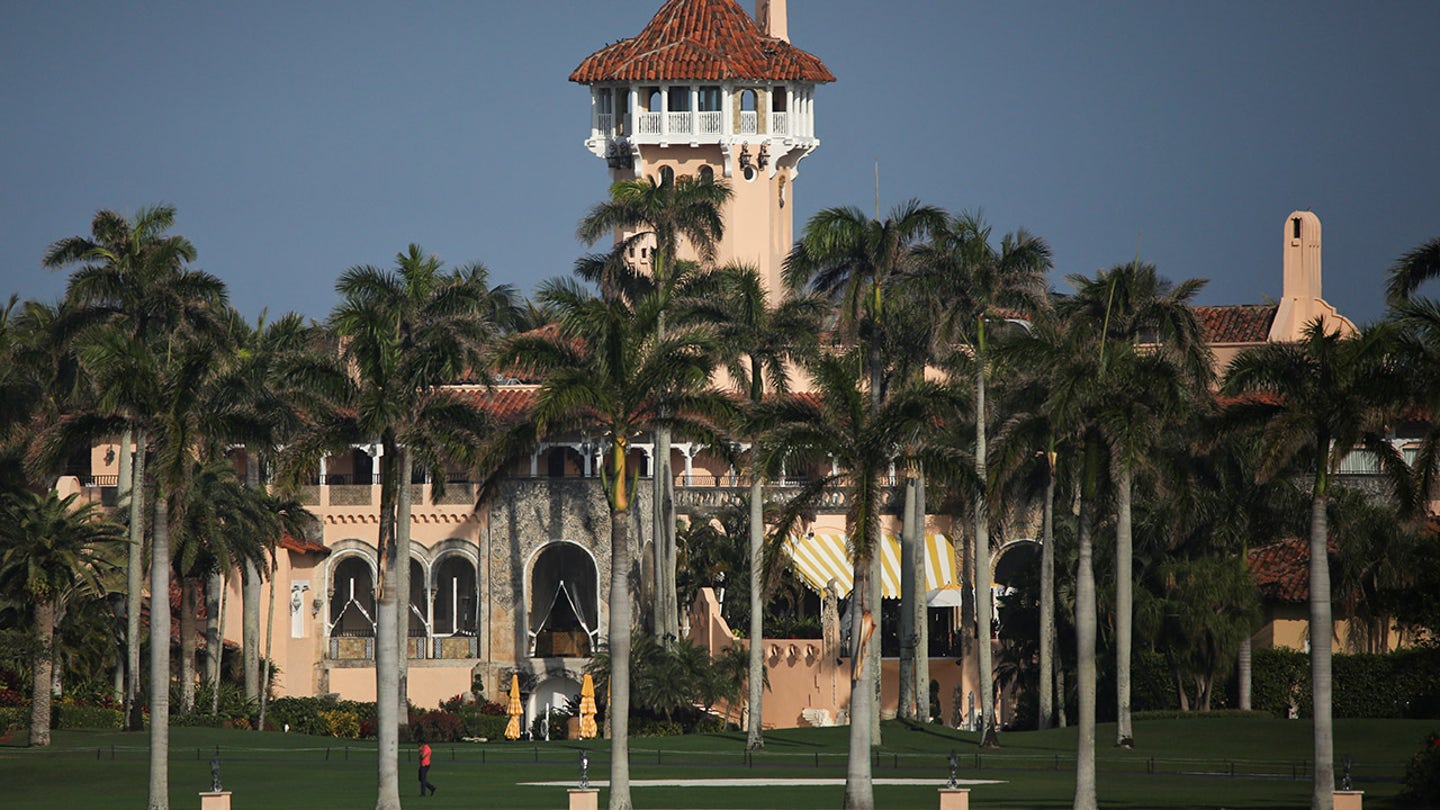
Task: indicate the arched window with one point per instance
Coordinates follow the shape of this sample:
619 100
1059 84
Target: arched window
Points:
707 174
747 101
667 176
417 603
564 606
455 597
352 599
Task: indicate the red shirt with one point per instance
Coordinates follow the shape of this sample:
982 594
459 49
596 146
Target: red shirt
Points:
424 754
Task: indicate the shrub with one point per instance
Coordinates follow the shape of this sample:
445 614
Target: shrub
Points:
70 716
1280 679
486 726
1401 684
197 720
340 723
1217 714
14 717
1422 776
436 725
659 728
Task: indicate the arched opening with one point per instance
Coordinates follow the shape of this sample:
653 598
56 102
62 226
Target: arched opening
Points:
707 174
1017 625
747 101
455 597
417 630
352 609
564 604
667 176
555 693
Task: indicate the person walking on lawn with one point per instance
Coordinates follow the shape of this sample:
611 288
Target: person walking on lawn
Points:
425 769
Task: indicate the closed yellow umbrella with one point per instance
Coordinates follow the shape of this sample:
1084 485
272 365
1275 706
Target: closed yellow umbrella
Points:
516 711
587 709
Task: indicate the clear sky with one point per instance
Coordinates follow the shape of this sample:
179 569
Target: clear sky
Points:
301 137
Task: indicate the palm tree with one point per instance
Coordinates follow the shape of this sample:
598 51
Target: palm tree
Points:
49 546
853 261
606 368
1133 304
403 335
1319 400
758 341
841 421
665 211
970 285
131 275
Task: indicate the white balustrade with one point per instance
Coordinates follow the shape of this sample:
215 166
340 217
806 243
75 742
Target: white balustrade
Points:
712 123
606 122
779 123
749 122
679 123
649 123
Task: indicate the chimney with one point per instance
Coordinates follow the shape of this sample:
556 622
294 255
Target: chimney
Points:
770 15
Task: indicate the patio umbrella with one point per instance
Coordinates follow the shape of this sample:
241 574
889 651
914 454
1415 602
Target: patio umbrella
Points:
587 708
516 711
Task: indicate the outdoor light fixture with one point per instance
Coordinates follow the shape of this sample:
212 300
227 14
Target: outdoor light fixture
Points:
618 157
764 158
745 157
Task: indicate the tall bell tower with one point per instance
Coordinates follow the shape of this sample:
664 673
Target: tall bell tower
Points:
709 91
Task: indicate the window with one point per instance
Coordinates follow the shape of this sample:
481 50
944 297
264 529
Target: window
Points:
710 99
455 597
679 99
1295 228
667 176
707 174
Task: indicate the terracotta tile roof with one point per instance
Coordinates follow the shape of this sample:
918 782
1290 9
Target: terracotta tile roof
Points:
706 40
1245 323
303 546
507 403
1282 570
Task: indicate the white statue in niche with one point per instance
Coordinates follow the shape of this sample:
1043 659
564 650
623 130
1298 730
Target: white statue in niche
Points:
295 597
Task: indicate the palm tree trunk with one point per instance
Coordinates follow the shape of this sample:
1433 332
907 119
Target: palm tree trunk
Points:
214 595
1047 603
1085 619
619 640
1321 631
135 585
218 651
876 732
122 490
1124 603
189 606
988 736
1243 658
267 664
922 613
387 684
755 734
859 790
907 708
402 585
160 657
250 601
665 612
42 668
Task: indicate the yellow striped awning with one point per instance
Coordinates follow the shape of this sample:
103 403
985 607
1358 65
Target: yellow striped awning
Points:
820 557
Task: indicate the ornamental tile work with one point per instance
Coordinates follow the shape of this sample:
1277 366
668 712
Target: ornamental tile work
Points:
701 40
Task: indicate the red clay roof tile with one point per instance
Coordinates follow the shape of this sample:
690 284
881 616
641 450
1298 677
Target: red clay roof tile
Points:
1245 323
1282 570
701 40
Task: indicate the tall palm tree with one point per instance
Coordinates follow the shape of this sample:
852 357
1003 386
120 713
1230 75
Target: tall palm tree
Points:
606 368
841 421
130 274
854 262
1133 304
971 285
403 335
48 546
665 211
758 341
1318 400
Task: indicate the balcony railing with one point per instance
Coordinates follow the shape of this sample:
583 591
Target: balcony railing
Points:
712 123
679 123
749 122
779 123
648 124
606 122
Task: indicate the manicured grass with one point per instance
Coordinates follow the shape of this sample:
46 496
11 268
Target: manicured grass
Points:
1230 763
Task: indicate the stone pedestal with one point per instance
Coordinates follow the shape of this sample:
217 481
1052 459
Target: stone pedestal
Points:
584 799
958 799
1349 799
217 800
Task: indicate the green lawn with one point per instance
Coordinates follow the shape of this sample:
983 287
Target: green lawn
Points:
1231 763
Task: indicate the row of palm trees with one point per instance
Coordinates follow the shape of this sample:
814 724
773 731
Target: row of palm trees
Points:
1039 399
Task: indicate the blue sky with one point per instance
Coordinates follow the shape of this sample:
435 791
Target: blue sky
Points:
300 138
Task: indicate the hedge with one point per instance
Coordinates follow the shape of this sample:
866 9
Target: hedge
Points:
1399 685
14 718
66 716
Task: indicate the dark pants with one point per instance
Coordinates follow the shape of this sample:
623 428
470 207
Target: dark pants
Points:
425 781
